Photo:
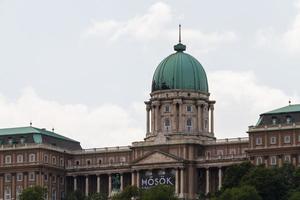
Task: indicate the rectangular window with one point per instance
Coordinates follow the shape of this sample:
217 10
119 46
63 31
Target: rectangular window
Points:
167 108
31 176
273 160
273 140
189 108
7 177
258 141
19 176
8 159
287 139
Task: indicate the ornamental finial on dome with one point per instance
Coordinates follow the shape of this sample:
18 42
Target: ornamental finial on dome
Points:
179 47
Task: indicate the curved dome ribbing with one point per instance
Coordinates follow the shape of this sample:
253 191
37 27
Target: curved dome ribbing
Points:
180 71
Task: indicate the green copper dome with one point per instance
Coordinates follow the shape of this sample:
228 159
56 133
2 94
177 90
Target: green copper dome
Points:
180 71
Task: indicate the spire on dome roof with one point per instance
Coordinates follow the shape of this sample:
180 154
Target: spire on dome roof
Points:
179 47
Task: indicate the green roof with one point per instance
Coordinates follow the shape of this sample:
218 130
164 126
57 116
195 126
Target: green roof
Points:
32 130
180 71
286 109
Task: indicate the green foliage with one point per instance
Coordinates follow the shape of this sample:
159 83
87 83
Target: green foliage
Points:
34 193
77 195
97 196
127 193
234 173
272 183
240 193
159 192
294 195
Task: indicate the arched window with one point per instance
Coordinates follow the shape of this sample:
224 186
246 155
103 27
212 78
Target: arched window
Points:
45 158
19 158
189 124
274 120
288 119
88 162
32 157
167 124
53 160
259 160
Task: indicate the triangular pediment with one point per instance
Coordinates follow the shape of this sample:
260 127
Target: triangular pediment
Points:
157 157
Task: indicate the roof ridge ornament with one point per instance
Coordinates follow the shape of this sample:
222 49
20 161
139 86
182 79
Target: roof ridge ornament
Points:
179 47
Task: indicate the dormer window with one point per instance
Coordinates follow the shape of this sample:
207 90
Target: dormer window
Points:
22 140
288 119
274 120
10 141
167 124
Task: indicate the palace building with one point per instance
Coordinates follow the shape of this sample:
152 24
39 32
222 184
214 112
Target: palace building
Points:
179 149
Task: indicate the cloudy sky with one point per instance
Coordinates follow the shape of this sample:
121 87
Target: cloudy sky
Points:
85 67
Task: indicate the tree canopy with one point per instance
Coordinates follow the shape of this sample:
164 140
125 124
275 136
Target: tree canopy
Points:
34 193
246 181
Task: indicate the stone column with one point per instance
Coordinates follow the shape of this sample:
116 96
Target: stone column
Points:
25 180
13 186
220 178
174 121
266 161
98 183
75 183
152 119
87 185
181 183
280 160
138 179
266 140
148 118
177 182
157 116
1 186
207 181
109 185
199 116
294 159
121 182
212 118
180 121
132 178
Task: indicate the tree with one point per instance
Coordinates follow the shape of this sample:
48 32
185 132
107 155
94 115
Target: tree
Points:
77 195
34 193
159 192
127 193
234 174
97 196
269 183
294 195
240 193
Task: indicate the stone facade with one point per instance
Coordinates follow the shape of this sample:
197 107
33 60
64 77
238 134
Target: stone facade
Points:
180 148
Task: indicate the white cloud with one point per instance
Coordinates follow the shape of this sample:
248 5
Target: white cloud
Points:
154 25
291 37
240 99
288 40
105 125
